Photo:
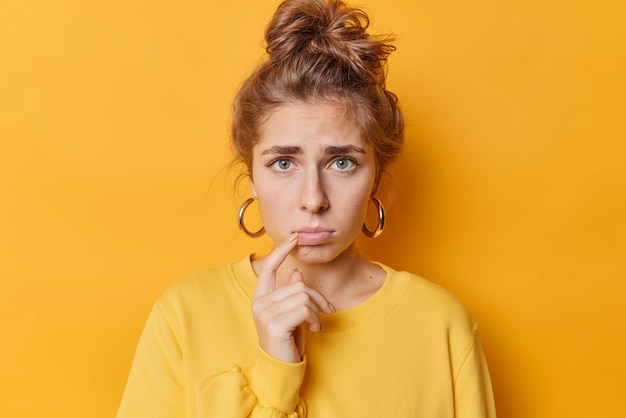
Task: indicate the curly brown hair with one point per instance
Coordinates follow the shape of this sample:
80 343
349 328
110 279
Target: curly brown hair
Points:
320 51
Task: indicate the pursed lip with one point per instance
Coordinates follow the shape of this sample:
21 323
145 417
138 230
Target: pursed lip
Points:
313 235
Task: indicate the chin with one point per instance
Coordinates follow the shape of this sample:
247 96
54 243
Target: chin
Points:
317 254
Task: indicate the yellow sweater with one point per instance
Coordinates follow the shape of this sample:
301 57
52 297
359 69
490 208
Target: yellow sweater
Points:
411 350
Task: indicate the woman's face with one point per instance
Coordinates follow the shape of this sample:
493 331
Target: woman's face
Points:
313 173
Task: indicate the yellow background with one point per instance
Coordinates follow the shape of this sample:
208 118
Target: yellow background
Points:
114 119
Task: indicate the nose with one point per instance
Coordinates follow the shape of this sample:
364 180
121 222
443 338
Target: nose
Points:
313 196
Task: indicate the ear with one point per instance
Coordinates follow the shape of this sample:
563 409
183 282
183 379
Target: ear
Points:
252 188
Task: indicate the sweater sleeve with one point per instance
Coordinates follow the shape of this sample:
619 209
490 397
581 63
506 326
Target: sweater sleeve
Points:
473 396
264 388
156 387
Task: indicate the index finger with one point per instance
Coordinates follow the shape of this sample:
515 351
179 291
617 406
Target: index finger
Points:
266 282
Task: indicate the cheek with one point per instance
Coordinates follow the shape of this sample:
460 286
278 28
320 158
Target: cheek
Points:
353 203
273 204
361 210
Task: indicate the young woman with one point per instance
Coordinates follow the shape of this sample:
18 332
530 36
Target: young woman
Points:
312 329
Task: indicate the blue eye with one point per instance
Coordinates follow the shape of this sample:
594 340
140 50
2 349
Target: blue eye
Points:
281 164
344 164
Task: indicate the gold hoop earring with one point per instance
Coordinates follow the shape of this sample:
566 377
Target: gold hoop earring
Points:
242 211
381 220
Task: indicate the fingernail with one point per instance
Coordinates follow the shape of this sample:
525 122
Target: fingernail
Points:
293 237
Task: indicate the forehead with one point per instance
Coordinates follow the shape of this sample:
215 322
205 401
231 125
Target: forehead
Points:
323 124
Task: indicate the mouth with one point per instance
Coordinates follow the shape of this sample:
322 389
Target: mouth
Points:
313 236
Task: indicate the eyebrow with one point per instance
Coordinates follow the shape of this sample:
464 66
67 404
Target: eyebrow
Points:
282 150
332 150
348 149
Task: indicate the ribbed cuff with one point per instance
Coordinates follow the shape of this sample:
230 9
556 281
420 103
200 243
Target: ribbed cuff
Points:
276 383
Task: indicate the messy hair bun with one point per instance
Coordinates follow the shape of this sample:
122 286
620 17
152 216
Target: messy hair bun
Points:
326 38
320 50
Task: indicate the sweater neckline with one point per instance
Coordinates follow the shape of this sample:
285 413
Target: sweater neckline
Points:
347 320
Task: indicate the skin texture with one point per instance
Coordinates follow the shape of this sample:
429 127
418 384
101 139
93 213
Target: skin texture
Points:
313 175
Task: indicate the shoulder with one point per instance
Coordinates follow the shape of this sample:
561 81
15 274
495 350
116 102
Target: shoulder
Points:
210 287
437 315
427 301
